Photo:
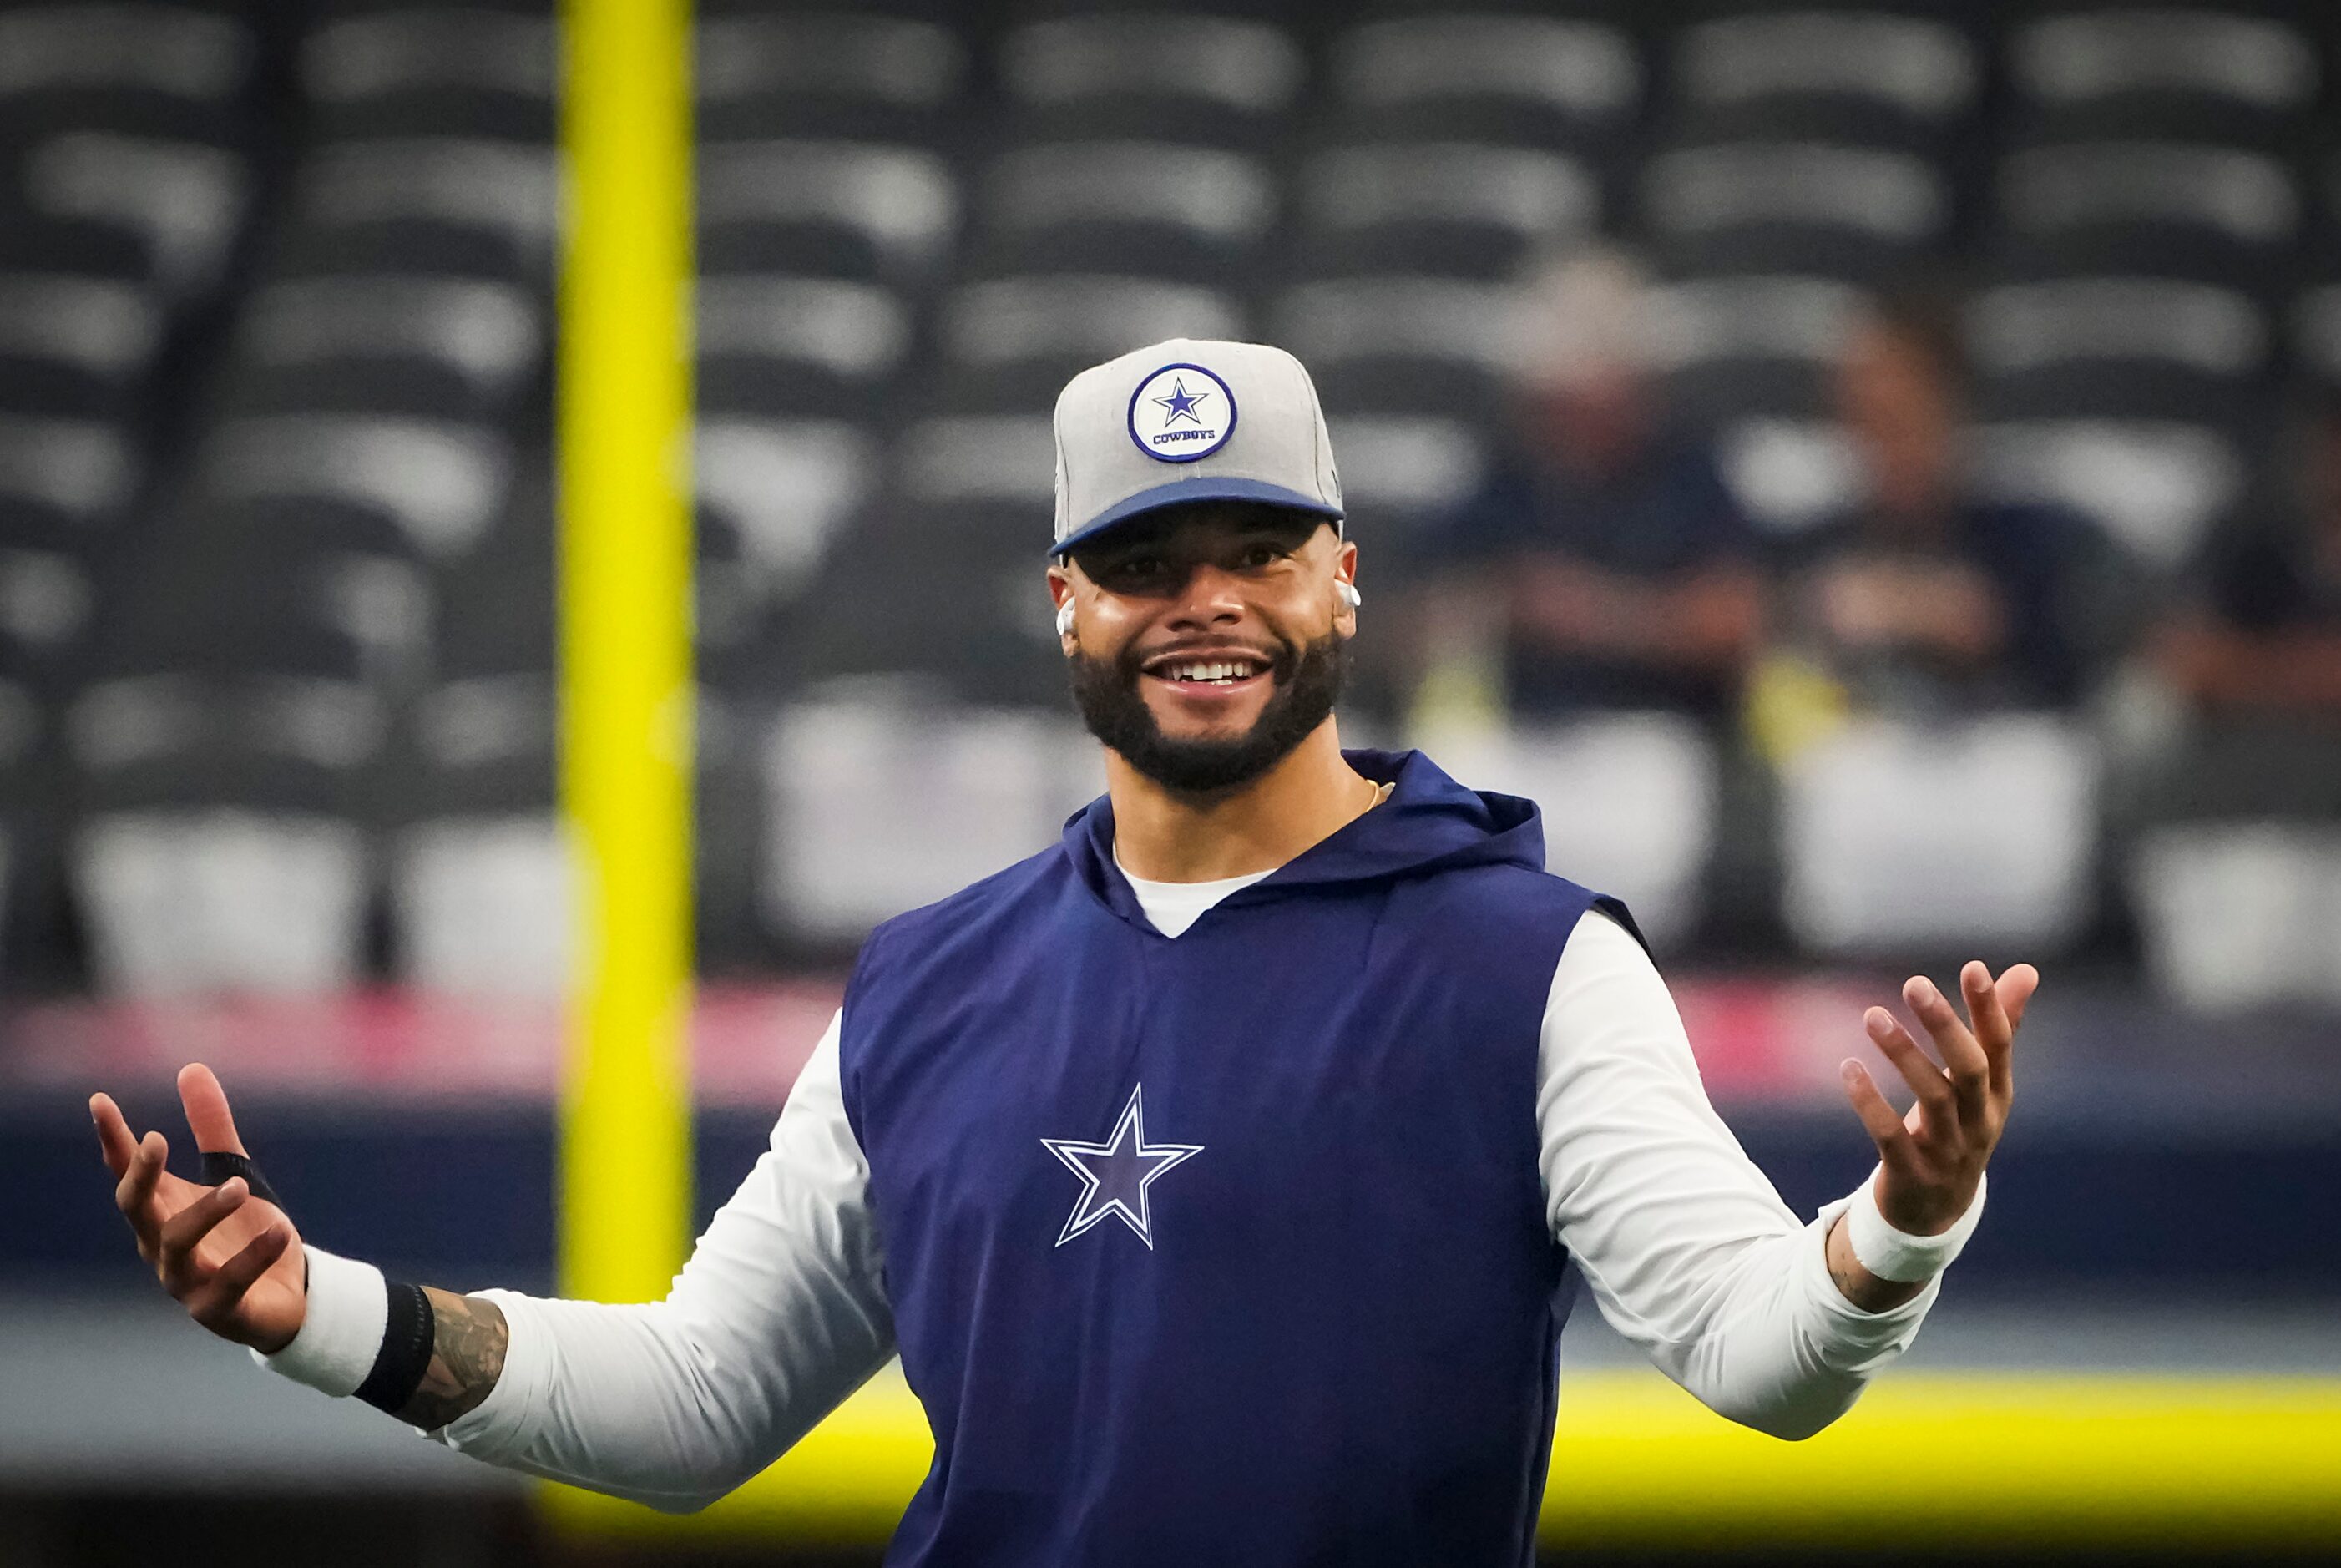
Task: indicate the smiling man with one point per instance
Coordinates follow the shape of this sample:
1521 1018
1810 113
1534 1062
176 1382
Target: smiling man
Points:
1217 1173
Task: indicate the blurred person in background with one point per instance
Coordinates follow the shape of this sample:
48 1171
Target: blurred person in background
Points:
1924 596
2253 650
1602 561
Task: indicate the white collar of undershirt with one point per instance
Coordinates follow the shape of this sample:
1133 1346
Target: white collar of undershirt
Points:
1173 906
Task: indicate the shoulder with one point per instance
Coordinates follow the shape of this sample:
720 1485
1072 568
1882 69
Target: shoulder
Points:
1817 542
1691 464
1688 456
973 912
2253 576
1606 942
2030 530
2256 549
1499 912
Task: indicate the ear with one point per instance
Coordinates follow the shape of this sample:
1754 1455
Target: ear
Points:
1345 606
1061 594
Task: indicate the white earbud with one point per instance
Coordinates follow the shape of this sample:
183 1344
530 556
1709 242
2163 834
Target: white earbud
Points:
1065 619
1349 592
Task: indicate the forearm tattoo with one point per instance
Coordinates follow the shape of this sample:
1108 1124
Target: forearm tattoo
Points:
467 1356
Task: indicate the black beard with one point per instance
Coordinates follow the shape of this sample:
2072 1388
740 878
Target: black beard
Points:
1306 681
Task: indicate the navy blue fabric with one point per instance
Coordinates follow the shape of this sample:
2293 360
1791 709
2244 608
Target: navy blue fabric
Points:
1663 518
2030 555
1335 1343
2271 577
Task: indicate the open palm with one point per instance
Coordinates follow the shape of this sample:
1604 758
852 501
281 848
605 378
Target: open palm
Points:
233 1259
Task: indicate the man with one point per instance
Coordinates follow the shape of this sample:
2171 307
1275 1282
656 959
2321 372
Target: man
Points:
1603 548
2253 650
1926 596
2261 638
1214 1171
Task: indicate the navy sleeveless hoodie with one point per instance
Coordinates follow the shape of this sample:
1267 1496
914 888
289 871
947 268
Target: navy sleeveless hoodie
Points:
1229 1248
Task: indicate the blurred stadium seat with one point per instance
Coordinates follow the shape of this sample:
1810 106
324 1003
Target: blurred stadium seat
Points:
1440 209
1630 806
1403 344
879 807
397 71
276 297
1517 79
2242 914
1900 839
1143 208
183 201
836 209
221 900
481 906
767 74
411 345
2200 72
2156 485
165 71
1849 77
1223 79
787 487
1737 347
1797 207
75 346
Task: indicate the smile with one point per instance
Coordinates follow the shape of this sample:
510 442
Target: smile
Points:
1219 673
1211 674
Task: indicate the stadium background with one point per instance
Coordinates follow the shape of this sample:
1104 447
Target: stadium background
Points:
278 693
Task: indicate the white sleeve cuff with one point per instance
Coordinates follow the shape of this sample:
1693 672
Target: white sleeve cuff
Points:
341 1333
1895 1254
498 1429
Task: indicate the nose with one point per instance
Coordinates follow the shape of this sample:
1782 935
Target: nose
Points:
1209 596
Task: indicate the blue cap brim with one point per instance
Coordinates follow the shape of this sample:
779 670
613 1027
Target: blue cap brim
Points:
1201 487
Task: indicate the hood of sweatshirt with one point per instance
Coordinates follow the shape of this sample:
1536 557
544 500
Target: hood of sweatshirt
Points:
1429 823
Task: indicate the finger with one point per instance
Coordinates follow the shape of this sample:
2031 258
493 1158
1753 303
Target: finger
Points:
1962 1060
1968 1054
135 1193
1926 1079
1986 1017
208 1118
114 1139
184 1231
1878 1117
2016 985
1995 1029
225 1291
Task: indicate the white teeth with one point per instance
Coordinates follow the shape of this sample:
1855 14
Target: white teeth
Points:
1202 671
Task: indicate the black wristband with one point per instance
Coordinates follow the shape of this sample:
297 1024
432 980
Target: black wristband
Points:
219 1166
408 1336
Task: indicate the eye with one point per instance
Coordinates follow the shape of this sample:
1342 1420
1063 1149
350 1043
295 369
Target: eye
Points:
1261 553
1135 569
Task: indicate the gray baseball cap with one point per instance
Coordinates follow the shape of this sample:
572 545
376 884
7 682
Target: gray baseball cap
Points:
1189 420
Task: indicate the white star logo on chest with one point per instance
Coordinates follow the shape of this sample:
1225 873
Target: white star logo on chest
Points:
1116 1174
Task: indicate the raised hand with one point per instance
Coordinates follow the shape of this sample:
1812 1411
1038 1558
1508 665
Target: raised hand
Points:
233 1259
1934 1157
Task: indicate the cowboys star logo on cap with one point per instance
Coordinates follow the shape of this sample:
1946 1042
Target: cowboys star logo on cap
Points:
1181 413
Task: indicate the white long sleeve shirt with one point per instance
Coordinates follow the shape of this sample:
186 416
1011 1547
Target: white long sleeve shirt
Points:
781 1311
